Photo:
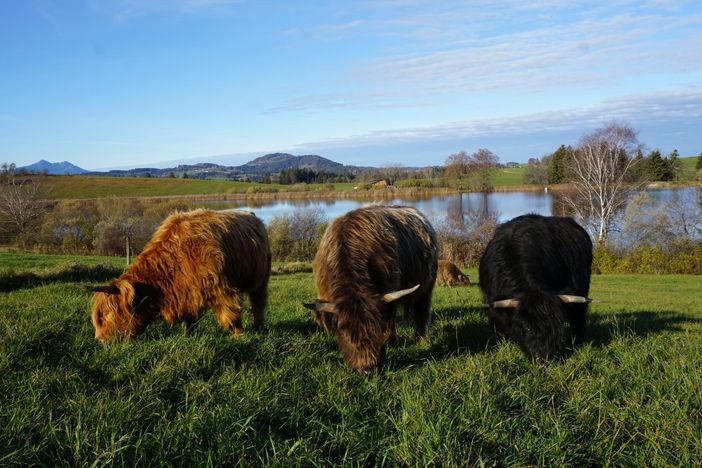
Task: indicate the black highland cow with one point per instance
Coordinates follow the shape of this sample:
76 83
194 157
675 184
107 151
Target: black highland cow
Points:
535 275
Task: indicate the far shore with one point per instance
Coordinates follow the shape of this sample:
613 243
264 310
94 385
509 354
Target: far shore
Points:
385 193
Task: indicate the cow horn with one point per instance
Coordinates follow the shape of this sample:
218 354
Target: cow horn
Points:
109 289
505 304
395 295
568 299
321 306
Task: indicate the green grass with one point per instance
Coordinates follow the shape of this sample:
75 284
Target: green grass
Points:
510 176
80 187
689 170
631 396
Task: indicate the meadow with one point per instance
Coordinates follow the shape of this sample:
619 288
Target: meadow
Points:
632 395
84 187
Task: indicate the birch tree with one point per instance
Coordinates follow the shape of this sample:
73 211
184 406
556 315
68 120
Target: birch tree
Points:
599 172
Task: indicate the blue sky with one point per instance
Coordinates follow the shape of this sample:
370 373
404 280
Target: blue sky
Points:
125 83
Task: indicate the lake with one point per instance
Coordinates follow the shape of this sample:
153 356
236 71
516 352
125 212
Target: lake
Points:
504 205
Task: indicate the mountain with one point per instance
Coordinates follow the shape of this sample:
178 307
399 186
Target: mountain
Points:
61 168
276 162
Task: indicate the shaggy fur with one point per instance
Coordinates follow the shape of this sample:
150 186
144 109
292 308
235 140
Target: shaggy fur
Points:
363 255
195 260
533 259
449 274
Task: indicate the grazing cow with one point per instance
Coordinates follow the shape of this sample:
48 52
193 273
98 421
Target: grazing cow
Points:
535 275
194 261
449 274
369 260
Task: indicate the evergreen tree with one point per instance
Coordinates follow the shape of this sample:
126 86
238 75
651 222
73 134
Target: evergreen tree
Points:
556 164
674 165
656 166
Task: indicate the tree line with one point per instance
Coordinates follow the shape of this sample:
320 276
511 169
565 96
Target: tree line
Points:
653 167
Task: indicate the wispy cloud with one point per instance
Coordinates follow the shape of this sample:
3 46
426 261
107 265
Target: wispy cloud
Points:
658 108
537 59
469 47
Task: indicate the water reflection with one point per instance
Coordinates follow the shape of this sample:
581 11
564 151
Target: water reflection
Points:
458 209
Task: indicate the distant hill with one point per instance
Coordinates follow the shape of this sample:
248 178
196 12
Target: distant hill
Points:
276 162
255 169
61 168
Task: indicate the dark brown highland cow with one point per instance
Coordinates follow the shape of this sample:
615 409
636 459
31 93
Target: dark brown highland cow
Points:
450 275
194 261
368 260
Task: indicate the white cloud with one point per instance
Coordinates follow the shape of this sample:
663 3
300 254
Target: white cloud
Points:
470 47
655 108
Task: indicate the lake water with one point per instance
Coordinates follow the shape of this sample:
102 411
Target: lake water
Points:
504 205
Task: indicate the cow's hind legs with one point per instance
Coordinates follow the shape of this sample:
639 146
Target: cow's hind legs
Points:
190 325
577 315
421 315
228 312
259 301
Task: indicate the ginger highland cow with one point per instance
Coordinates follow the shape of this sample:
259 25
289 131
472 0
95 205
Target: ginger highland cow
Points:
450 275
195 260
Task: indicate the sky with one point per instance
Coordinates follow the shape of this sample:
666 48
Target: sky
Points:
133 83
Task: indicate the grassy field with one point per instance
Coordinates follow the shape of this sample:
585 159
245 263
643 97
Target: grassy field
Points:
80 187
631 396
689 169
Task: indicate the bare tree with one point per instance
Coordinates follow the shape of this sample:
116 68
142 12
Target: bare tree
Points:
599 171
392 172
21 205
457 165
482 166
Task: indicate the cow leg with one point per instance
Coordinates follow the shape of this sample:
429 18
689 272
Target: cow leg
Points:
259 301
228 311
577 318
190 325
421 314
390 336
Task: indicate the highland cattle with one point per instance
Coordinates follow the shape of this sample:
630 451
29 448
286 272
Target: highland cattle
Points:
194 261
535 276
369 261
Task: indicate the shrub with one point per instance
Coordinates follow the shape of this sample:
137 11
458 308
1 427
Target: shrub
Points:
682 257
260 189
296 237
463 241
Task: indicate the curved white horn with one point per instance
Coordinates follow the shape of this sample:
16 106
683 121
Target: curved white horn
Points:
505 304
395 295
568 299
321 306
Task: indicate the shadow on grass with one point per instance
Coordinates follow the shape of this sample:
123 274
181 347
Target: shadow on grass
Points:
11 280
603 328
457 331
302 326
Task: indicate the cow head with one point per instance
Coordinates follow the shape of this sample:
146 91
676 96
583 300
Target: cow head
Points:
534 322
360 326
122 309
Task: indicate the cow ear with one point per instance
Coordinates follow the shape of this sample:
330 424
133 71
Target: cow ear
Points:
108 289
